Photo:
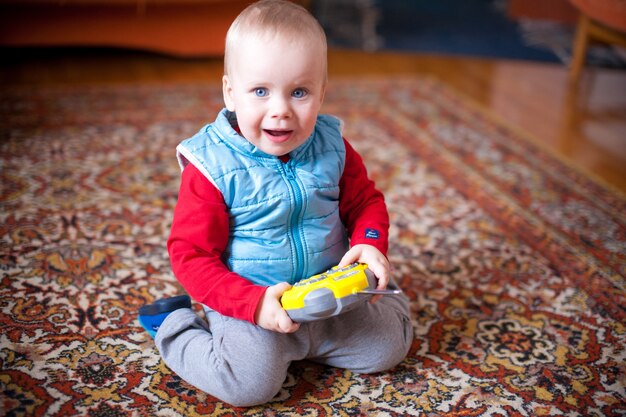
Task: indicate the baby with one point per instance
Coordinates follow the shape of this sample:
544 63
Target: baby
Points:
271 193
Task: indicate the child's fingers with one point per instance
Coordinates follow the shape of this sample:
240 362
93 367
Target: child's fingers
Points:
381 270
350 257
277 290
286 325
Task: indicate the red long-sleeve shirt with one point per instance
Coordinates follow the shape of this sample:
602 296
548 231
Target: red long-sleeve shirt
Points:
200 232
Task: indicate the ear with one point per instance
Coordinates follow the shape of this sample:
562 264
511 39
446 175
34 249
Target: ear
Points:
323 94
227 92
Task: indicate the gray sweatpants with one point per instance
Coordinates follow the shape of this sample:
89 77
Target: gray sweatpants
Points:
244 365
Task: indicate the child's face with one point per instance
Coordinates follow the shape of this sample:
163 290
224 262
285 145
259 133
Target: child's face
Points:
276 88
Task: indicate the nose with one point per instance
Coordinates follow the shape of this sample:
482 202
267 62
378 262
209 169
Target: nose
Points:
280 107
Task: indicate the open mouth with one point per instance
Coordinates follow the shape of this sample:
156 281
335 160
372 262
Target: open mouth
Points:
278 135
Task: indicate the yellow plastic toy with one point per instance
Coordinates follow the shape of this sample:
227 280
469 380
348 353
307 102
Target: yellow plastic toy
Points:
331 293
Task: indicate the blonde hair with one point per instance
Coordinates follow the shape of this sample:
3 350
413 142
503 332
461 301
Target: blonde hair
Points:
267 18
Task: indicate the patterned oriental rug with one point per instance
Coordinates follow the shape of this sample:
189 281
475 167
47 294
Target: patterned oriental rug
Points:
514 262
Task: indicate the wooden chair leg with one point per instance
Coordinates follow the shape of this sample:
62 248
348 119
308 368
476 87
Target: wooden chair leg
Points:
579 52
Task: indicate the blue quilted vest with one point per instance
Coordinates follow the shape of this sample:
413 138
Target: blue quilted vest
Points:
284 217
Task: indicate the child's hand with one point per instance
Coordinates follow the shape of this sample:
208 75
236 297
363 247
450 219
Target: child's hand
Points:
375 260
270 313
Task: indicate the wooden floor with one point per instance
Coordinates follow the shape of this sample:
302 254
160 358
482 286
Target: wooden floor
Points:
585 124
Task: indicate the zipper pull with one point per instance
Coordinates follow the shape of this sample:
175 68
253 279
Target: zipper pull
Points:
289 171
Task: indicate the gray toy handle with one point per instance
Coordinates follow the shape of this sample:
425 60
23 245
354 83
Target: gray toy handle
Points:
371 279
381 292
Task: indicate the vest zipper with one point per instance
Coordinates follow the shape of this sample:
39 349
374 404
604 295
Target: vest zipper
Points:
294 230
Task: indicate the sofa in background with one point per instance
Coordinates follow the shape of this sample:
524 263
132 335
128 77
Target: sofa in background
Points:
184 28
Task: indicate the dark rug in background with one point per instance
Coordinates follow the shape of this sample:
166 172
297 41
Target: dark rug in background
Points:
478 28
468 27
514 262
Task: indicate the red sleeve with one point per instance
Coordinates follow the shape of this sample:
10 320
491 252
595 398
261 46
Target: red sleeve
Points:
198 237
362 207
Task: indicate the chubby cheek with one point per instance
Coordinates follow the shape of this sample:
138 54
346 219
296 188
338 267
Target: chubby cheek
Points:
309 124
251 134
249 123
308 114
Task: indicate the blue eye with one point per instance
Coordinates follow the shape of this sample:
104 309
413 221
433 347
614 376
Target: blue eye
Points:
299 93
260 92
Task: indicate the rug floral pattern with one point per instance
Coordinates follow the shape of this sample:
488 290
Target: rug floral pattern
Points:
514 262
